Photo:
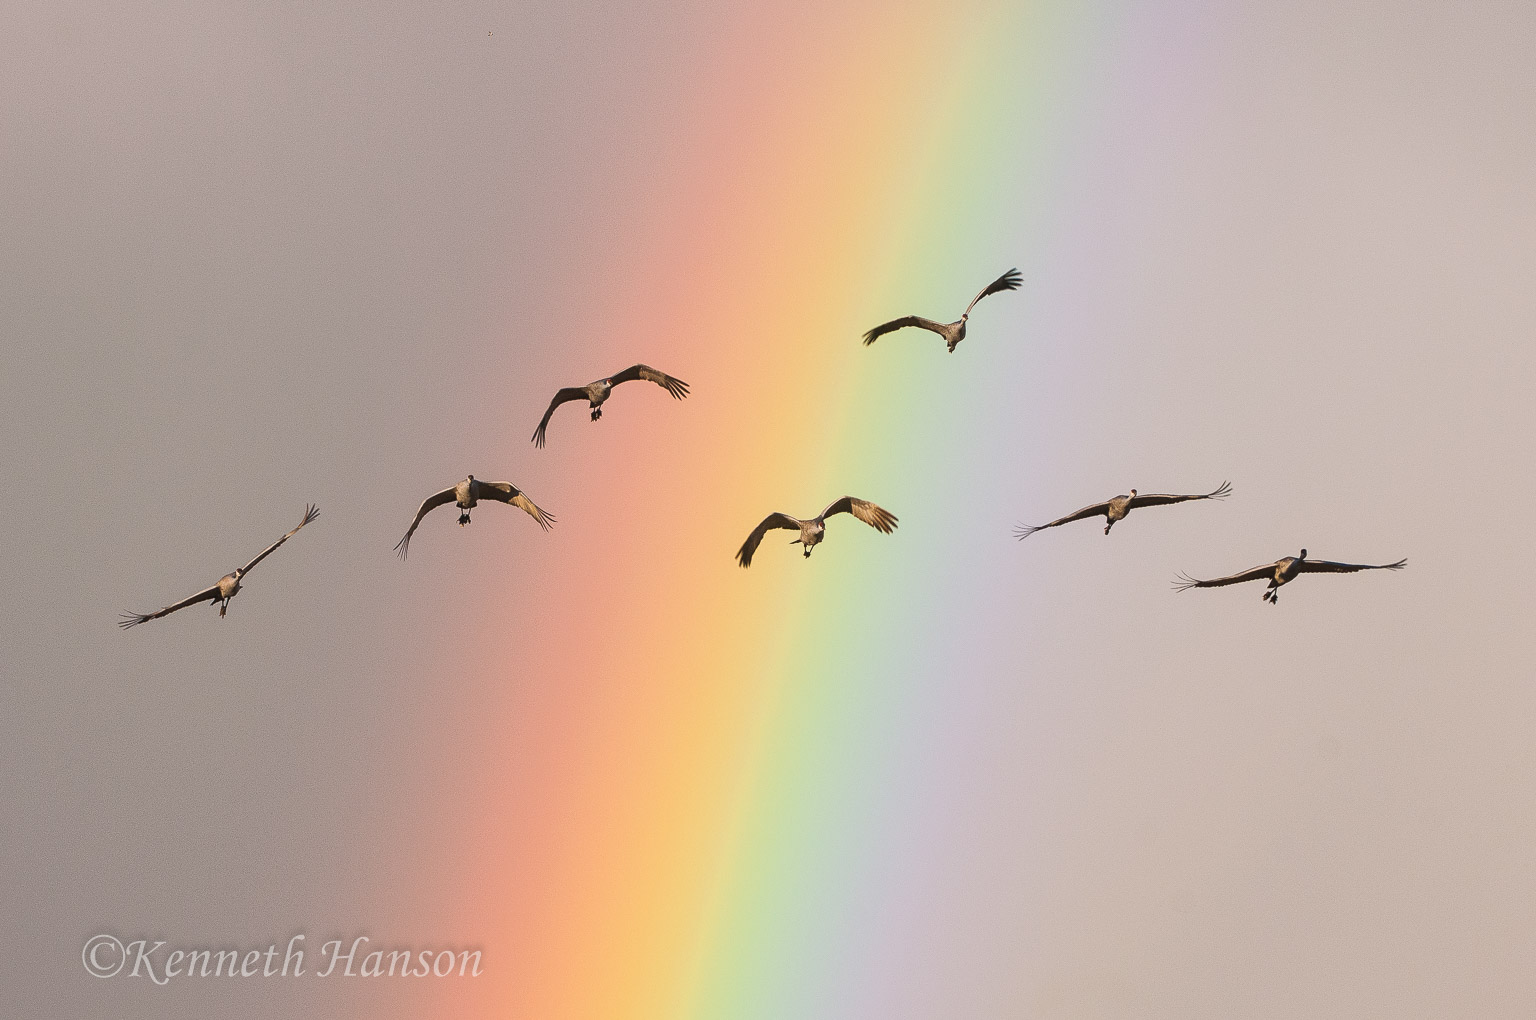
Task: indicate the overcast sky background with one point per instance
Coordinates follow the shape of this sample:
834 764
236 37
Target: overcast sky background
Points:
253 256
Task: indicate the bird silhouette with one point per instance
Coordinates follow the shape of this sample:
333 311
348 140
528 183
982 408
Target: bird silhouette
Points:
1283 571
1115 509
597 393
811 531
465 495
227 587
952 332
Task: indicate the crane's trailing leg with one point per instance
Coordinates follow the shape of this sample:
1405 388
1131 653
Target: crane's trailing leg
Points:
463 518
597 412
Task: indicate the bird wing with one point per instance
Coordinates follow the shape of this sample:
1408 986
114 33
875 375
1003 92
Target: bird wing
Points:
902 323
676 387
132 619
565 395
431 503
1161 499
879 518
1330 567
1267 571
1008 281
310 513
744 554
510 494
1023 531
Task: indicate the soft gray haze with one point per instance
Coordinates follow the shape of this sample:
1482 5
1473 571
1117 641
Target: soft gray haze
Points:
254 255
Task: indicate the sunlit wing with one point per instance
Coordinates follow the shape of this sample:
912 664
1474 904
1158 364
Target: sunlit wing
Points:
510 494
676 387
876 517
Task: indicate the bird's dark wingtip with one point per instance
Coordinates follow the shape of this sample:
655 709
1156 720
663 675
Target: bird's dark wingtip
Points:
1023 531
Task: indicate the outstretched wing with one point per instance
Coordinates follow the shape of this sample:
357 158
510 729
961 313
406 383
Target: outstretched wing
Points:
1008 281
565 395
1023 531
310 513
1330 567
880 519
431 503
131 619
902 323
1159 499
772 521
1266 572
506 492
676 387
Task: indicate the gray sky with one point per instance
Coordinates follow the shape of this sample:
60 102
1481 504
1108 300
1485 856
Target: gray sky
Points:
253 256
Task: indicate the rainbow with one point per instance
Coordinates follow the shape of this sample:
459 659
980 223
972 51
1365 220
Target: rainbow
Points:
701 762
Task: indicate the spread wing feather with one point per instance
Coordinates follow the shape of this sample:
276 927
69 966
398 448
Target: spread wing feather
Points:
902 323
1266 572
676 387
772 521
563 396
310 513
510 494
131 619
1161 499
429 504
1023 531
876 517
1331 567
1008 281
